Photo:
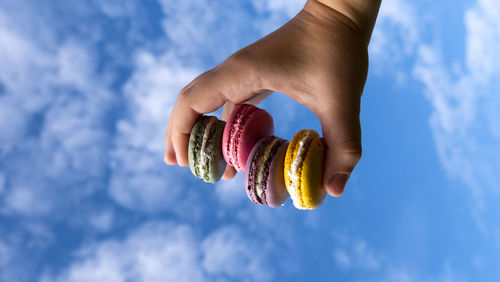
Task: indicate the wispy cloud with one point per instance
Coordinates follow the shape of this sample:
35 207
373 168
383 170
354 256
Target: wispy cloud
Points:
102 221
21 243
58 80
464 97
277 12
395 37
359 258
86 119
167 251
153 252
288 8
462 93
231 193
228 252
139 178
56 107
355 253
194 29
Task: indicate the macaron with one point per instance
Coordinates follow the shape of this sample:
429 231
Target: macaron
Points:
303 169
245 126
264 172
205 149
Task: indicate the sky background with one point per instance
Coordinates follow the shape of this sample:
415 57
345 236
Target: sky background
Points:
86 88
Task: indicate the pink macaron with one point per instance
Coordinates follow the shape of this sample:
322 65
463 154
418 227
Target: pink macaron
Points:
246 125
264 180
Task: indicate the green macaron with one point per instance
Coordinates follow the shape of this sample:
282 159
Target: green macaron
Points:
205 149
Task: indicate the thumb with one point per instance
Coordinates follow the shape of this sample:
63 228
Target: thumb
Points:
342 133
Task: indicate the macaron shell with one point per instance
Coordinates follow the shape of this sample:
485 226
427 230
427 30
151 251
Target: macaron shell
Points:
230 124
226 136
195 143
276 193
259 125
217 162
291 153
310 191
312 174
251 193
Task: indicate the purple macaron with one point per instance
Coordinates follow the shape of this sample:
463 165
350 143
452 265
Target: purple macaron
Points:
264 180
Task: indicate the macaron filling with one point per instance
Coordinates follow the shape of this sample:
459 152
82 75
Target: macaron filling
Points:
295 171
241 117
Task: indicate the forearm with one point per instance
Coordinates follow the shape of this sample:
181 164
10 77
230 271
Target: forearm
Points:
362 13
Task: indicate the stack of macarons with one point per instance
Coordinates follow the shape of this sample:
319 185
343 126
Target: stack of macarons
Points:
274 168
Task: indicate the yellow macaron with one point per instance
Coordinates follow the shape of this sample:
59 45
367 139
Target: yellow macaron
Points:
304 169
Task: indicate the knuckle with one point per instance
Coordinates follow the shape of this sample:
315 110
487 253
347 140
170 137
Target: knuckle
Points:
352 151
242 57
185 94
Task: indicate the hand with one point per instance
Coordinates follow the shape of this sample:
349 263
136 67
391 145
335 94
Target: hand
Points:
319 59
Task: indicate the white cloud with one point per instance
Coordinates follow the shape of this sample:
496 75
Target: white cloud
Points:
6 259
140 180
394 38
231 192
60 106
68 157
396 21
463 96
482 43
25 200
117 8
55 106
153 252
342 259
159 251
2 182
229 253
287 7
56 77
465 118
195 29
102 221
360 259
20 245
205 32
4 253
275 13
355 253
75 65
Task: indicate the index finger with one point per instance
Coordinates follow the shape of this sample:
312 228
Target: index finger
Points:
236 80
201 97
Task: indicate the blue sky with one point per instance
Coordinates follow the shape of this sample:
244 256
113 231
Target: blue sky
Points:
86 89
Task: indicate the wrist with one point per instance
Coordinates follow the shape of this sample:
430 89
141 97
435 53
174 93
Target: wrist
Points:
359 14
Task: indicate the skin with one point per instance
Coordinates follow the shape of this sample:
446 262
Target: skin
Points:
319 58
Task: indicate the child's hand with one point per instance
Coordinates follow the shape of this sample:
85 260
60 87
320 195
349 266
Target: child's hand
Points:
319 59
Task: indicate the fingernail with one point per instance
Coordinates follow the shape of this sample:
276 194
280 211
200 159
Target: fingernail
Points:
169 158
337 184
